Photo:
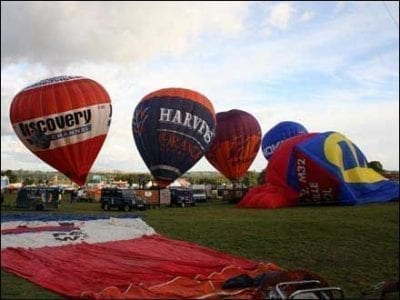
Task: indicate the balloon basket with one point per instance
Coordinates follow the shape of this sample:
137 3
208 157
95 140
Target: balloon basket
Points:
234 195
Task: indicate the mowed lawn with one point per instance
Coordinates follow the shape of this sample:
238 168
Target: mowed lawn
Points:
353 247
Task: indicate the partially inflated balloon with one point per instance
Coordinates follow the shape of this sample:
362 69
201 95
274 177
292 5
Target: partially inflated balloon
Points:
320 168
64 121
173 128
277 134
236 143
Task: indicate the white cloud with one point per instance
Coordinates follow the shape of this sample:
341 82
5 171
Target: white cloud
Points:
307 16
376 70
340 6
63 32
281 14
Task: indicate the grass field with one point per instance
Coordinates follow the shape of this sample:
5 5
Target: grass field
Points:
354 247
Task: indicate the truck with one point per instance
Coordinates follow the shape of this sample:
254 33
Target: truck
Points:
122 199
39 198
181 197
201 192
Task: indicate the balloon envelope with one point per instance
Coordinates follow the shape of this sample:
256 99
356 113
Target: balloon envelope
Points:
173 128
64 121
319 168
277 134
236 143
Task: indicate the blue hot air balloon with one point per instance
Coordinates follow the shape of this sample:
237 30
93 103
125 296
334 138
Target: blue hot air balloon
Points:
173 128
277 134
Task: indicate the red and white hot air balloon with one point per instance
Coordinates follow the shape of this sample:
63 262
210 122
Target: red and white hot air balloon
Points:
64 121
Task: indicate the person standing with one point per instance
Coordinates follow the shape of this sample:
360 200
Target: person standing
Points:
74 194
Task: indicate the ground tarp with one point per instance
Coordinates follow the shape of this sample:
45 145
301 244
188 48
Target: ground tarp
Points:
118 258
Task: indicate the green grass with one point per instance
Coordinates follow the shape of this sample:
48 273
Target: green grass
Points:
353 247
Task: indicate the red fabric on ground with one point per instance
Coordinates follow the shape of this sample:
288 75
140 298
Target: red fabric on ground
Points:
148 266
269 196
201 287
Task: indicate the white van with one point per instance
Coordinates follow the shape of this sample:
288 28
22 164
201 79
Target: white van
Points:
201 192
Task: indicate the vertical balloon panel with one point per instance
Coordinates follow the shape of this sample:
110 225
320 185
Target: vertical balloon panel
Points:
64 121
236 143
173 128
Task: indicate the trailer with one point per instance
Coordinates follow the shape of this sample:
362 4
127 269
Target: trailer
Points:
156 197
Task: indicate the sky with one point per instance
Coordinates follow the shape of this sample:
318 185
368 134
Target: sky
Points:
331 66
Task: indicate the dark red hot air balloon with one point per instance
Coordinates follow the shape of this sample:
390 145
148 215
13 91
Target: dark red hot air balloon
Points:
64 121
236 143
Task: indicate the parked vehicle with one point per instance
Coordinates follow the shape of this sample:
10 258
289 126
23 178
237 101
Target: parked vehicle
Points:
82 195
156 197
121 198
88 194
201 192
39 198
182 197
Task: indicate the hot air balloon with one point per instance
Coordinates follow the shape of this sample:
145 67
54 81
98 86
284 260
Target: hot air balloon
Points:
320 168
277 134
236 143
173 128
64 121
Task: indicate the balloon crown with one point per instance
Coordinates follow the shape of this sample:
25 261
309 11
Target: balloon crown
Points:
51 81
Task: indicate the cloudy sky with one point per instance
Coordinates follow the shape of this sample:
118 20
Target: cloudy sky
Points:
332 66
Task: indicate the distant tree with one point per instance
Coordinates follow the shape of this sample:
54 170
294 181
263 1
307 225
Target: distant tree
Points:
260 178
122 177
11 175
143 178
250 178
376 165
212 178
194 179
130 180
118 177
41 177
29 181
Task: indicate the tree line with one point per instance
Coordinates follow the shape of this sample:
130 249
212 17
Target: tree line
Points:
251 178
